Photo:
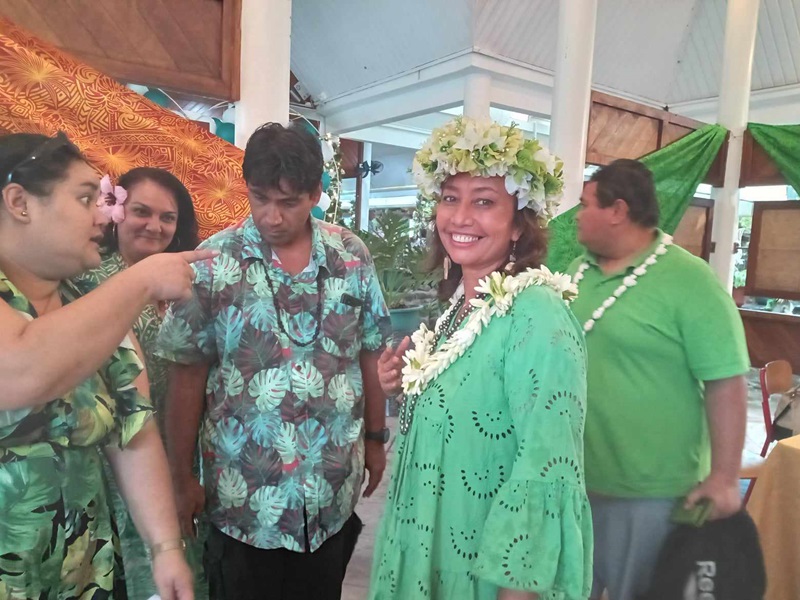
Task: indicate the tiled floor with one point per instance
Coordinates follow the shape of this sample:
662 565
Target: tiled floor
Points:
370 509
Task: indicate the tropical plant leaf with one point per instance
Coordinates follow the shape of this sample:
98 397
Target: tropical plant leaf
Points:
231 321
301 326
293 492
307 381
231 488
264 427
229 436
234 382
22 496
262 315
340 390
286 443
175 334
335 287
330 346
311 439
269 388
268 502
256 277
397 256
259 350
226 271
319 489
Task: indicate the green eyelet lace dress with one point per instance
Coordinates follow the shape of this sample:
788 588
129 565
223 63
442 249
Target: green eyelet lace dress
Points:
487 489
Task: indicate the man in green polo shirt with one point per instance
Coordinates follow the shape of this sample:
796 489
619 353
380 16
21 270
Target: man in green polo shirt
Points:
667 398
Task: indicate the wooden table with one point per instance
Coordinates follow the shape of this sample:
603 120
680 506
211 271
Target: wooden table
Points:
775 508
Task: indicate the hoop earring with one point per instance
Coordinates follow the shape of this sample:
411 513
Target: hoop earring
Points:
512 258
176 241
446 264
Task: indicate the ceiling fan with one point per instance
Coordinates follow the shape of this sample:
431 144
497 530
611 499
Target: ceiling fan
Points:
374 167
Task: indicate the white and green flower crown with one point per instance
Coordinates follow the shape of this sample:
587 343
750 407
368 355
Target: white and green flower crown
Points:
488 149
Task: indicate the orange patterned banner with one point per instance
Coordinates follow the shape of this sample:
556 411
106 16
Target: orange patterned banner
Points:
43 90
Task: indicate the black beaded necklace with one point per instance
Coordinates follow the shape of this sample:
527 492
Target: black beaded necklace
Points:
317 310
450 325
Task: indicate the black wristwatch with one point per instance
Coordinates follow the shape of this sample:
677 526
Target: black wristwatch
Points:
381 436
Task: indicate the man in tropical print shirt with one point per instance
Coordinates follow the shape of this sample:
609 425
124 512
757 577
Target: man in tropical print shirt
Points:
281 337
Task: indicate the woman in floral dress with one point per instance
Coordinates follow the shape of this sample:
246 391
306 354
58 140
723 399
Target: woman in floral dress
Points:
70 382
151 212
487 499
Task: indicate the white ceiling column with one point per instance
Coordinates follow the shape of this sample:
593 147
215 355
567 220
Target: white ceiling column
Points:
477 95
734 99
572 92
265 68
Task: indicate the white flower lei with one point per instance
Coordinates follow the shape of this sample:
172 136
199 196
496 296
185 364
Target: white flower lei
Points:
423 364
484 148
627 283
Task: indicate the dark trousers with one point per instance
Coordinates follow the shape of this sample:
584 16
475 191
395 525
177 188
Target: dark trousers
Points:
238 571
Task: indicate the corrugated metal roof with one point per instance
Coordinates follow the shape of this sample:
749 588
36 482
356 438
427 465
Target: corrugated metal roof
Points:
524 30
637 44
342 45
665 51
776 61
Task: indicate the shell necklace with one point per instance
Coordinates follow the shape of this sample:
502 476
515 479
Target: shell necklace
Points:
496 294
627 283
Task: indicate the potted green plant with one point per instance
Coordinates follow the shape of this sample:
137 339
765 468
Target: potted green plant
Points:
398 257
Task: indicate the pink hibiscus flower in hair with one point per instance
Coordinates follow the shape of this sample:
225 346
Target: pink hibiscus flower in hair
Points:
112 199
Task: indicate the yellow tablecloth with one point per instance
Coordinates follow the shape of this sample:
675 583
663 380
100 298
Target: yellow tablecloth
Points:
775 508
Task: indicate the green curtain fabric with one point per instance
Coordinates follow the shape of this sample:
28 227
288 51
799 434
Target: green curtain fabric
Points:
677 170
782 143
563 246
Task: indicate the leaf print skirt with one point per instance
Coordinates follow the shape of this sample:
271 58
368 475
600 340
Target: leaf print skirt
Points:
56 534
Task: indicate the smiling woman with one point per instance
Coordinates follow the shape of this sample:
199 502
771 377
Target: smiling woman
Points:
494 395
478 228
159 216
152 213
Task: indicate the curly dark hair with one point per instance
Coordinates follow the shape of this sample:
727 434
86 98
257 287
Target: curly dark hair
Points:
275 153
36 162
185 237
531 251
630 181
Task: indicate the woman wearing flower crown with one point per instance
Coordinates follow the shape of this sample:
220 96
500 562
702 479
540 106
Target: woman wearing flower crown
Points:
69 387
487 499
150 211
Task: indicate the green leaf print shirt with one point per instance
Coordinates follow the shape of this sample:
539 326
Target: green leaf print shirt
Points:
282 430
56 537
